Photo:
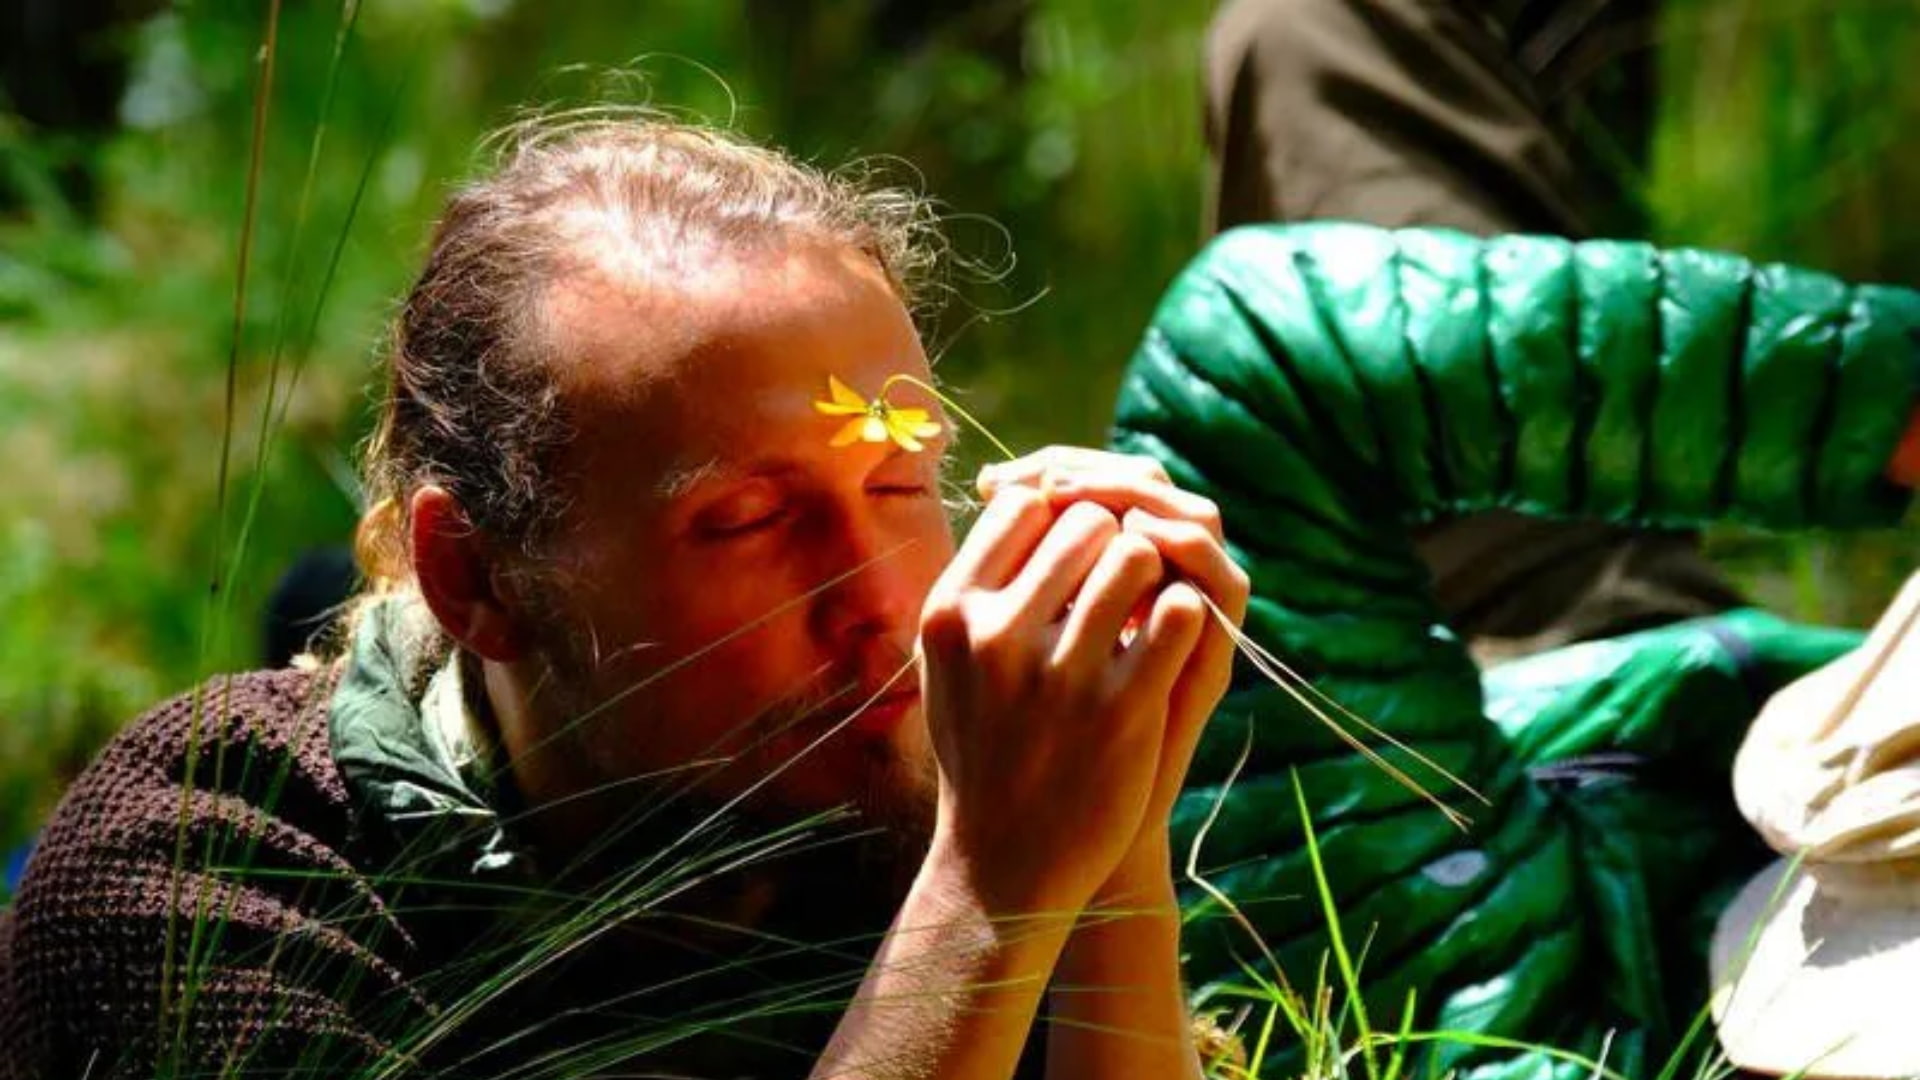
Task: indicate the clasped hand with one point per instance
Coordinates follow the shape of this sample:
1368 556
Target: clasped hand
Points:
1071 664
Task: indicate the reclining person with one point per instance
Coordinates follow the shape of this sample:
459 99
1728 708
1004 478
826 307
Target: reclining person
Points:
647 634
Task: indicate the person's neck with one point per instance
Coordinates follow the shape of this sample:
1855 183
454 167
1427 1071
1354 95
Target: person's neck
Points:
546 778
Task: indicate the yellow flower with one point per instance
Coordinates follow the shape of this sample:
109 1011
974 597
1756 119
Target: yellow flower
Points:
875 421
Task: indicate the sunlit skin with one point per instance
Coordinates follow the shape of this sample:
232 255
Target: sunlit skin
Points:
751 585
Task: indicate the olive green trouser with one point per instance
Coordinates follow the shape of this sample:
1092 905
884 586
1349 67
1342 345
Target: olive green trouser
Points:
1453 113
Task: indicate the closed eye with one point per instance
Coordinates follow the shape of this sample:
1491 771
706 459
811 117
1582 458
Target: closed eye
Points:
731 529
901 476
754 510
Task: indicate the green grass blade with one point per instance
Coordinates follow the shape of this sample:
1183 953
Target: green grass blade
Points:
1349 973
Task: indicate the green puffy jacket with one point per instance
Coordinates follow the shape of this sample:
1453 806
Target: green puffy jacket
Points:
1330 386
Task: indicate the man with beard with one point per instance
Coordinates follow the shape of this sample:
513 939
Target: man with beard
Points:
662 598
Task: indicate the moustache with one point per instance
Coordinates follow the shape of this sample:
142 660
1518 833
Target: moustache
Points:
844 697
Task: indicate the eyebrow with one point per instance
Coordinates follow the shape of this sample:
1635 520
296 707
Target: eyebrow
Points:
678 482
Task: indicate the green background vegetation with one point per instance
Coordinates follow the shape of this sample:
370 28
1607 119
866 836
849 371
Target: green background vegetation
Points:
1066 132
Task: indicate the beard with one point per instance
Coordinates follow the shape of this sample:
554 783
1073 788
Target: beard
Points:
751 919
727 840
754 918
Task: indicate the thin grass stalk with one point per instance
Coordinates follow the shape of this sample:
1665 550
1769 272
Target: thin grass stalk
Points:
1218 896
262 98
1349 974
271 424
1398 1060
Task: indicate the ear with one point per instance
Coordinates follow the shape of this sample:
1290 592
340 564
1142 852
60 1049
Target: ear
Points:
457 579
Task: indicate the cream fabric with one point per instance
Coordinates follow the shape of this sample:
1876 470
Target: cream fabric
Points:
1830 776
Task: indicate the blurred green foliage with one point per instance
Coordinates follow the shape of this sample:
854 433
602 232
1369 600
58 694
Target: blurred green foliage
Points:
1787 133
1064 132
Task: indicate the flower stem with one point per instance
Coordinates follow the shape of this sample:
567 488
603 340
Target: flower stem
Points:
952 406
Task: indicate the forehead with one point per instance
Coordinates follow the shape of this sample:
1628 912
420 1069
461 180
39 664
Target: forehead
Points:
662 373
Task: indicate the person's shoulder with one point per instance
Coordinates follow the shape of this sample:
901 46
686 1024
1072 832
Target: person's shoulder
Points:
261 715
247 751
279 709
221 809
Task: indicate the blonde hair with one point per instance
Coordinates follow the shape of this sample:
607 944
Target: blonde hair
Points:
471 403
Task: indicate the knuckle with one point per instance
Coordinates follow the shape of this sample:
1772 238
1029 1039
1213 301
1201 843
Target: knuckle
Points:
992 625
1206 514
1186 535
1091 518
1135 553
1183 602
943 619
1184 542
1149 466
1020 501
943 597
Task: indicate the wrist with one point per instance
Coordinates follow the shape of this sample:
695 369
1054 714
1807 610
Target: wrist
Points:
1143 879
1001 892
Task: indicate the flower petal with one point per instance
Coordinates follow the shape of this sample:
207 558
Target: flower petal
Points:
834 408
849 432
843 394
873 429
903 437
910 416
925 430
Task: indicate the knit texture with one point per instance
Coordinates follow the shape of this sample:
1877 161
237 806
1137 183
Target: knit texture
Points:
192 908
304 934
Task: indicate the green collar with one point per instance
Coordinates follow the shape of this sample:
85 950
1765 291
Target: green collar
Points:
410 750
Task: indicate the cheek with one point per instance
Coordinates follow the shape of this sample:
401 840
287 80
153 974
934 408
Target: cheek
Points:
676 596
932 546
735 610
927 570
730 639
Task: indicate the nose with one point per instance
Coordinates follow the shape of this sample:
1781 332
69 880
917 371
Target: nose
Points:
873 586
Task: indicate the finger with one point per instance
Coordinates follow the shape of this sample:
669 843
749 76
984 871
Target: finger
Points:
1203 562
1118 488
1198 555
1127 571
1060 563
1061 460
1156 658
1122 493
1001 540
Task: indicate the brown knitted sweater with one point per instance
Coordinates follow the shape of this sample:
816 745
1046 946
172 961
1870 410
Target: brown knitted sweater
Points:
287 943
267 947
